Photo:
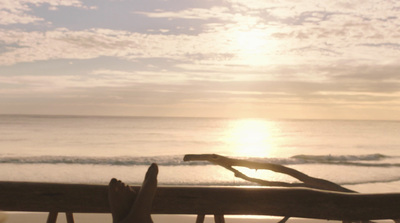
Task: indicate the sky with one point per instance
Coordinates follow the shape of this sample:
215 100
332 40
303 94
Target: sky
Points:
301 59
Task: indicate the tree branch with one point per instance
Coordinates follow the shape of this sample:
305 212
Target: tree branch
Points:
228 163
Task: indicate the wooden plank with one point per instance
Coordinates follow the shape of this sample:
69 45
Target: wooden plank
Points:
45 197
17 196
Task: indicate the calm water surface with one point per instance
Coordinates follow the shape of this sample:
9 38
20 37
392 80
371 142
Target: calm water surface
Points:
93 149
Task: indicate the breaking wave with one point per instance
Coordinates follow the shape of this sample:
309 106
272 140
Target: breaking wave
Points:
373 160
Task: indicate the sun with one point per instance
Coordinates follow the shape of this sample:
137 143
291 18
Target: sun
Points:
253 46
251 42
250 138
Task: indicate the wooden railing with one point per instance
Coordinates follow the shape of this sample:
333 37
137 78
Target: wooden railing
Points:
201 201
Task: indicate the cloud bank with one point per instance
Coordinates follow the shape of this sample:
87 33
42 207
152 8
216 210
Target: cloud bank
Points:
254 57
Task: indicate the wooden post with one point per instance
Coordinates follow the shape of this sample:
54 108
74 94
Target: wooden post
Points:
52 217
219 218
200 218
70 217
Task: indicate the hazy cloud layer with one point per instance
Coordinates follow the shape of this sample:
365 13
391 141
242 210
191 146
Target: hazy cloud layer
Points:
169 57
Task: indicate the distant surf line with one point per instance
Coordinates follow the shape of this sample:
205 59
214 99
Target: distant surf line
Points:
368 160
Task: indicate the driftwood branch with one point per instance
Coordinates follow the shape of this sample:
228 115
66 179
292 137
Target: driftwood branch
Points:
307 181
229 163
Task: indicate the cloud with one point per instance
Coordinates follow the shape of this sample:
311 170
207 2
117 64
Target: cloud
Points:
19 17
20 11
242 52
297 30
111 72
63 43
381 78
222 13
230 35
391 46
286 89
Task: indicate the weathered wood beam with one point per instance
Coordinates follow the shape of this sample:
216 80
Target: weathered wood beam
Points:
307 203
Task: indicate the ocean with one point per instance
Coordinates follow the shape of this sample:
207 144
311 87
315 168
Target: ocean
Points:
360 155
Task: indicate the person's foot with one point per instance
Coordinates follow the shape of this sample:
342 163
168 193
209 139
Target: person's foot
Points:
120 197
124 207
142 206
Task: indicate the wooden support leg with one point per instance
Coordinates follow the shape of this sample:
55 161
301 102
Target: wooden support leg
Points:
70 217
219 218
284 220
52 218
200 218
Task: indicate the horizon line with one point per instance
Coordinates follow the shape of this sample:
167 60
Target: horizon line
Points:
191 117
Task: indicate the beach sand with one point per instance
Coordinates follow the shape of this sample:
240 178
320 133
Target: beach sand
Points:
18 217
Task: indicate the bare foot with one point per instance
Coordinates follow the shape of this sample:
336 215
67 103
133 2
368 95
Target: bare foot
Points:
140 212
124 207
120 197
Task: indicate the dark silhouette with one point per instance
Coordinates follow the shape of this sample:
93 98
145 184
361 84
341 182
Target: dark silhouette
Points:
124 207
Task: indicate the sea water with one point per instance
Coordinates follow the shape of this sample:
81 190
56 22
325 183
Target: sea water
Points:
361 155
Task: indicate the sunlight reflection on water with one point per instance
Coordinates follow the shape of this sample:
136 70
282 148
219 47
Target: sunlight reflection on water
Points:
250 138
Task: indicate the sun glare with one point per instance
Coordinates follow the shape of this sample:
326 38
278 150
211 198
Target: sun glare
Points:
253 46
250 138
251 41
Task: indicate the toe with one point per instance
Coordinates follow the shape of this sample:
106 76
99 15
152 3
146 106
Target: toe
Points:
113 181
152 171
